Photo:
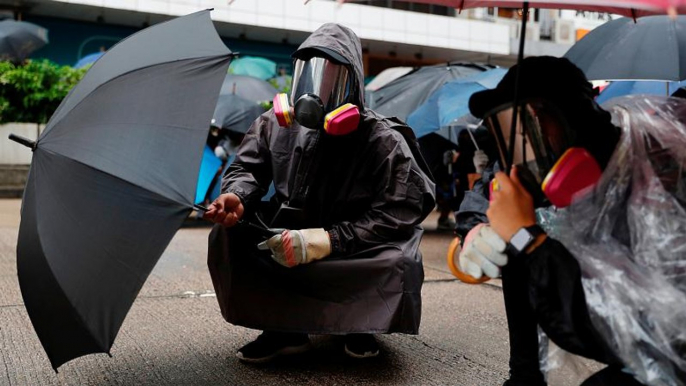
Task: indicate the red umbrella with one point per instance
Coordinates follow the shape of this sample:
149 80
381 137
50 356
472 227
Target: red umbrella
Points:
634 8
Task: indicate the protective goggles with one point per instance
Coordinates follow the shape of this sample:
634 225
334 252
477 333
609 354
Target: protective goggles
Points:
543 151
329 81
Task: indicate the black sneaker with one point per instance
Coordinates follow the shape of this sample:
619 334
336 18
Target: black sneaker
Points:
269 345
361 346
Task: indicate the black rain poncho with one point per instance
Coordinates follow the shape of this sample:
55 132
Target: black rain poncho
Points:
369 189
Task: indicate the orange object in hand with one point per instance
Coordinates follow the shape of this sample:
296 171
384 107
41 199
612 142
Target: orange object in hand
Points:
453 264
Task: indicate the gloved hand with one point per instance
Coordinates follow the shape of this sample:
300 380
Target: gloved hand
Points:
293 247
480 161
482 253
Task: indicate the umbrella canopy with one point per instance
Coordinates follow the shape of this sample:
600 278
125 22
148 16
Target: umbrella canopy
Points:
650 48
113 176
235 113
253 66
450 103
405 94
633 8
18 39
248 87
621 88
88 59
386 76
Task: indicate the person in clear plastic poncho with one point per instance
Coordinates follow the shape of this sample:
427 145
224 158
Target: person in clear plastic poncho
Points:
589 228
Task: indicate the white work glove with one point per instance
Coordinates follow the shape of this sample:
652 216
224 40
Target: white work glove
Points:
483 253
480 161
294 247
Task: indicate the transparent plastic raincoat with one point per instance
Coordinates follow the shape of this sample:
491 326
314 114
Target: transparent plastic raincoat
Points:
626 242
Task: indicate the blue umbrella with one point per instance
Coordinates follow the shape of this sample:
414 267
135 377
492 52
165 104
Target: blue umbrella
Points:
208 169
253 66
450 103
88 59
630 87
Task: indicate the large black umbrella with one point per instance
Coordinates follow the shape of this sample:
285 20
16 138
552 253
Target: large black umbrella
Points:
235 114
649 48
248 87
404 95
18 39
112 179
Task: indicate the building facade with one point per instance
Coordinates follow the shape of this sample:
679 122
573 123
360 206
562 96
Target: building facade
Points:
394 33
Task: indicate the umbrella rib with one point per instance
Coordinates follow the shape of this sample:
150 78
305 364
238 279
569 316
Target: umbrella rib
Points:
50 125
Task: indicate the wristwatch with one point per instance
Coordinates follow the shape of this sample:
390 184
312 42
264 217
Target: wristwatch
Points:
523 238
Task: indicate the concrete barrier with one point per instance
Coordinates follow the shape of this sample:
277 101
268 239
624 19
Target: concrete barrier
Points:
12 153
15 159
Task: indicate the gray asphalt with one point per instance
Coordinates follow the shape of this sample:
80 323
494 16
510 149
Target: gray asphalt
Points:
175 335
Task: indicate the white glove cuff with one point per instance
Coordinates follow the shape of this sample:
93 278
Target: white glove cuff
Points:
317 243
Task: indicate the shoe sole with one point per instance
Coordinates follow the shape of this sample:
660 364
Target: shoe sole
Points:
284 351
358 356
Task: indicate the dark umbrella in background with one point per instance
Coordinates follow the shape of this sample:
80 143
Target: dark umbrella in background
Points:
235 113
112 179
232 115
248 87
18 39
648 48
402 96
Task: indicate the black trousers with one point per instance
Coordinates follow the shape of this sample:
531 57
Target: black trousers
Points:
522 328
523 332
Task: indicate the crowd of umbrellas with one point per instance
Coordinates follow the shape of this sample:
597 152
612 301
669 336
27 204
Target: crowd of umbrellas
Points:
105 151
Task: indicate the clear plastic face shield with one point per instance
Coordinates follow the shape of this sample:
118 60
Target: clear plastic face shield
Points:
329 81
542 136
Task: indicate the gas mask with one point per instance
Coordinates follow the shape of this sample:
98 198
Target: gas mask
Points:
319 98
549 166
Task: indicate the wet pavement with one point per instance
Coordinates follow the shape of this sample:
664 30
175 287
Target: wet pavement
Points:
175 335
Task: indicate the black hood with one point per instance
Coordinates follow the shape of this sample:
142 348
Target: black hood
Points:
332 37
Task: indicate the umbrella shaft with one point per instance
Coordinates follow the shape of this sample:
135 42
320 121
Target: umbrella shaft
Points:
199 208
520 57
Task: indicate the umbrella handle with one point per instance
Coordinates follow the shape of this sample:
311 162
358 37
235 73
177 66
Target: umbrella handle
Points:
24 141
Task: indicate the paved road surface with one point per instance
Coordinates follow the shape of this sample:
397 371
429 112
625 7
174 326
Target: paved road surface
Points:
175 335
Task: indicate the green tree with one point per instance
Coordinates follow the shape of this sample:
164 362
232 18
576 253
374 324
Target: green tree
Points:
32 91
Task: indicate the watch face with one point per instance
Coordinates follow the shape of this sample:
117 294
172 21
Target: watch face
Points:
521 239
